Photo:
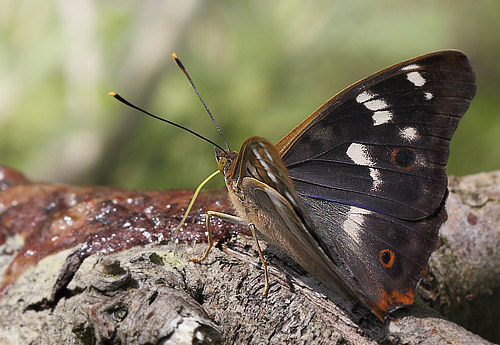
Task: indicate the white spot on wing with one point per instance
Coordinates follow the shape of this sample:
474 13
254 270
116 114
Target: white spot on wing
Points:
365 96
353 225
268 171
271 176
409 133
428 96
359 154
377 181
290 198
381 117
269 156
416 78
376 104
257 154
410 67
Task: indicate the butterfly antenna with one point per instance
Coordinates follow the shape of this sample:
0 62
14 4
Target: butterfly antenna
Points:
124 101
183 69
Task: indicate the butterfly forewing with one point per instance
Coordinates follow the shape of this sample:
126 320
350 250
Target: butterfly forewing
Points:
383 143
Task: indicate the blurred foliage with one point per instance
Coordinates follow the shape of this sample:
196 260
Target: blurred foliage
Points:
261 66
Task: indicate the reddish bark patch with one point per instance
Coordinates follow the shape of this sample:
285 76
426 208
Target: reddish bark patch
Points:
51 218
472 218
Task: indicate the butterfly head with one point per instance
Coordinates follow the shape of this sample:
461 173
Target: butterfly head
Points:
226 162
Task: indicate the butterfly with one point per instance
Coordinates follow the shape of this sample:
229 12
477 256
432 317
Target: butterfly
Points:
356 193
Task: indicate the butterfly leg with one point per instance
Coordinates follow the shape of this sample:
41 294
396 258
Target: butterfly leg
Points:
264 265
236 220
225 216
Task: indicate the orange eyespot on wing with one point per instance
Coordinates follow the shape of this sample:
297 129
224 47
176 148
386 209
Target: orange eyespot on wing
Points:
387 258
404 158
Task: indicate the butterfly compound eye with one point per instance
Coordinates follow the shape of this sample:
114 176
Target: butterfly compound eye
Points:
221 164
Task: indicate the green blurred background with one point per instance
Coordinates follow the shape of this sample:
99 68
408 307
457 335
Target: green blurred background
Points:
261 66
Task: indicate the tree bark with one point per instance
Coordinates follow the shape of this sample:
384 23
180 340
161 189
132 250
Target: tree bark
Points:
103 266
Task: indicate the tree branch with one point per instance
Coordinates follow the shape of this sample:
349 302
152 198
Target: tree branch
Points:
101 265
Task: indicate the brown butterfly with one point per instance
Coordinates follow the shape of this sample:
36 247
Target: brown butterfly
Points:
355 194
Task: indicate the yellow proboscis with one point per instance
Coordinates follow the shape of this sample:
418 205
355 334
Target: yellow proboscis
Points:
193 199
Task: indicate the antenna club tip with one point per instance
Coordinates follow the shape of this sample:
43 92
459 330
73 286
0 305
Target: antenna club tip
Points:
179 63
112 94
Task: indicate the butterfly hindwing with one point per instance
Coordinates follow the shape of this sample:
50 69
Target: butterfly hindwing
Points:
385 257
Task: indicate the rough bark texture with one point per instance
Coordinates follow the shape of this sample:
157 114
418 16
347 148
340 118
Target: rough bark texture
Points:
148 293
464 279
